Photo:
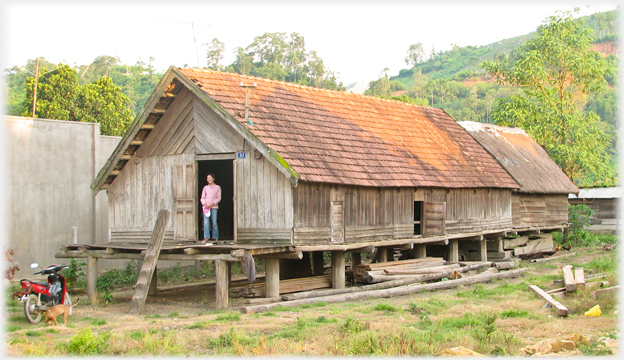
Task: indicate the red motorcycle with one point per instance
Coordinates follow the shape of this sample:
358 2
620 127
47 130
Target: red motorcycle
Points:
39 296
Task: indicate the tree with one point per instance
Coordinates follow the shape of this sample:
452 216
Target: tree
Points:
556 71
56 94
103 102
415 54
215 54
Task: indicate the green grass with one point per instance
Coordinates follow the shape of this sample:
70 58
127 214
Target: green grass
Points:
231 316
32 333
98 322
514 313
385 307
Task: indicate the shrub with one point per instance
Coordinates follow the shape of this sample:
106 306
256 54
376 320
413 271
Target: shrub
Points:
85 342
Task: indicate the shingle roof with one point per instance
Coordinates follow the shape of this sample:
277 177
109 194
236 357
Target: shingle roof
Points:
343 138
524 158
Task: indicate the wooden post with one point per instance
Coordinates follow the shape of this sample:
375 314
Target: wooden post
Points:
338 269
153 284
383 254
272 277
421 251
317 263
197 268
229 273
149 263
356 259
501 244
221 284
390 253
483 250
453 250
92 271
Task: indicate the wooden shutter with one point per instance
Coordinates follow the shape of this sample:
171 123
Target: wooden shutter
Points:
184 192
434 218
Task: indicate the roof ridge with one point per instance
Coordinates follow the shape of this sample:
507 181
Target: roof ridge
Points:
306 87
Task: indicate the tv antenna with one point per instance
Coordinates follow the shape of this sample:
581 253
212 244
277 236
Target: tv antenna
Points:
193 29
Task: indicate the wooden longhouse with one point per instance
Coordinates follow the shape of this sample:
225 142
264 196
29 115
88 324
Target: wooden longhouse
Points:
302 170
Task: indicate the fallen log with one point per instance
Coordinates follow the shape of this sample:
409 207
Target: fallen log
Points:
409 289
504 265
559 308
380 286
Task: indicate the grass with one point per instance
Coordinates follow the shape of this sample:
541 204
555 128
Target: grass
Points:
495 319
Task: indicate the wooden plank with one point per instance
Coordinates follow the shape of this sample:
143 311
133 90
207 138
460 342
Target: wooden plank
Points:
579 277
149 263
272 277
338 269
559 308
512 243
608 292
568 278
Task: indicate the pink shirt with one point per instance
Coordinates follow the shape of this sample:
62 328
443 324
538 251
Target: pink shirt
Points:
211 194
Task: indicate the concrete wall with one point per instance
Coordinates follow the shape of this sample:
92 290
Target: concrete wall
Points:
50 166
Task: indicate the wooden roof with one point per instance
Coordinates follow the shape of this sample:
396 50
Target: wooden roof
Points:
524 158
334 137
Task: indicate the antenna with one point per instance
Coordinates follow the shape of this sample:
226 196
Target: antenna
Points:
247 87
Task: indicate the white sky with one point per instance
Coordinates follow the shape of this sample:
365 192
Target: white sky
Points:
356 39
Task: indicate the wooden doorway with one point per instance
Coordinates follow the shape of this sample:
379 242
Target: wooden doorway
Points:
223 171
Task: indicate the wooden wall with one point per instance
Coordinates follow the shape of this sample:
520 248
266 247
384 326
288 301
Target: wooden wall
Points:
263 201
345 214
471 210
605 218
539 210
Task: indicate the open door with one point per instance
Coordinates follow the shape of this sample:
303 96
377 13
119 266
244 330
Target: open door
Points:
223 171
184 190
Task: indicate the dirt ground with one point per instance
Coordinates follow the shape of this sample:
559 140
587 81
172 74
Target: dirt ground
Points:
183 307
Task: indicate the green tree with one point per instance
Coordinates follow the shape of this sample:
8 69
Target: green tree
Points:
415 54
215 54
556 71
56 94
103 102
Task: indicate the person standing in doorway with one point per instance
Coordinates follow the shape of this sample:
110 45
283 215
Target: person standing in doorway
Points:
210 198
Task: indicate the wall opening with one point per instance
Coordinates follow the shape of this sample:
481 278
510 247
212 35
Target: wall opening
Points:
223 171
418 210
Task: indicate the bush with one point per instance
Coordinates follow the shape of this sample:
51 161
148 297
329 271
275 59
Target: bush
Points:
85 342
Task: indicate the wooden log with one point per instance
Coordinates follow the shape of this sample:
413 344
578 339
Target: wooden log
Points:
579 277
149 263
553 257
599 294
153 288
403 290
568 278
559 308
383 285
453 250
338 269
417 271
92 272
263 300
504 265
375 277
221 286
296 255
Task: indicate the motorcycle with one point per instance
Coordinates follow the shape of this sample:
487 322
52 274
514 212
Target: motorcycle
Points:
39 296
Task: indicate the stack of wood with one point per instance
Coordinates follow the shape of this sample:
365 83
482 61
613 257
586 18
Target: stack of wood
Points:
406 269
533 246
286 286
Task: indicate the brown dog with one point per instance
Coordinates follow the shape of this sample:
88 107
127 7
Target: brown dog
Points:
54 311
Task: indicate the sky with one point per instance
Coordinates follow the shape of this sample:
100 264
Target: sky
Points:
357 40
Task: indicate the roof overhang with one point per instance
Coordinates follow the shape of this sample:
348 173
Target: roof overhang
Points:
169 86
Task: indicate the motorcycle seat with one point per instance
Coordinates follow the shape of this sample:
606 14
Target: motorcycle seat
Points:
36 282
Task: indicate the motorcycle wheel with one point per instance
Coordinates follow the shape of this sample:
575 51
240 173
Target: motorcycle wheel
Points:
32 315
67 301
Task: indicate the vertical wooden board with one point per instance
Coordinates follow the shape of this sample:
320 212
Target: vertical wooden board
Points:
262 193
269 195
239 193
288 201
278 199
248 201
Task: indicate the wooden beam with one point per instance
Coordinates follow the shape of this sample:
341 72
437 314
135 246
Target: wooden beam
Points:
147 126
453 250
559 308
272 277
421 251
483 250
568 278
115 172
136 142
92 272
338 269
221 286
125 157
579 277
606 292
553 257
296 255
158 111
356 259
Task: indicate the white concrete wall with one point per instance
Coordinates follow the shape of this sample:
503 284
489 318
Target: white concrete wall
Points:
50 165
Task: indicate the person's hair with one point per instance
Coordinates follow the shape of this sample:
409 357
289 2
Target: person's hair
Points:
212 176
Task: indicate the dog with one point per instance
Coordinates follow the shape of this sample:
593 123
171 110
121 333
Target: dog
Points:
57 310
21 292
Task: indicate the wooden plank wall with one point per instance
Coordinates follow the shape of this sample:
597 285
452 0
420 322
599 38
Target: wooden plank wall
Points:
605 218
264 201
471 210
531 210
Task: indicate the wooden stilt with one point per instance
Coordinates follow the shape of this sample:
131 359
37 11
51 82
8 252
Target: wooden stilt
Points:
453 249
483 250
272 277
197 268
92 271
338 269
317 263
390 254
383 254
221 286
421 251
356 259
